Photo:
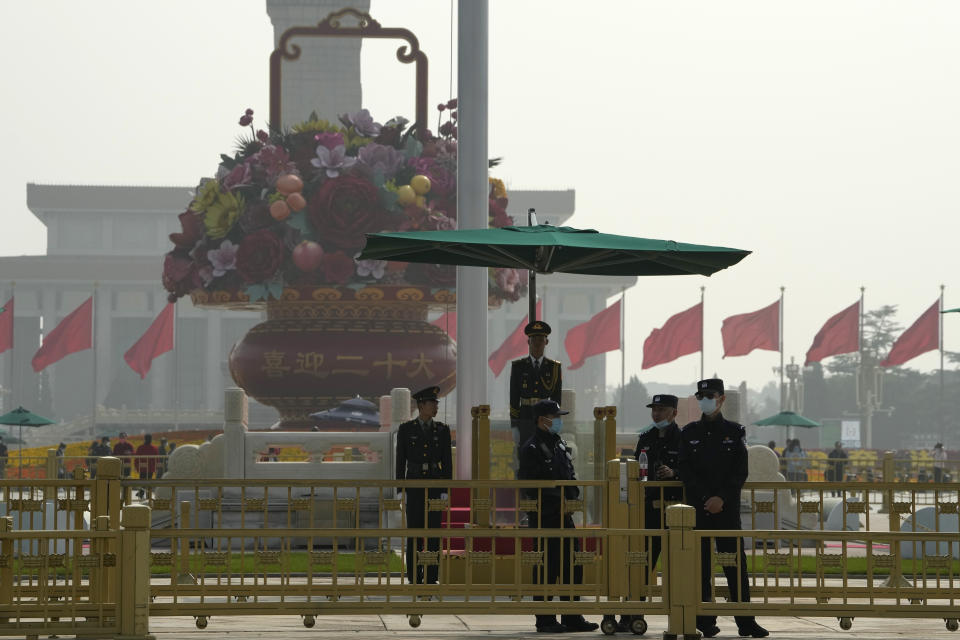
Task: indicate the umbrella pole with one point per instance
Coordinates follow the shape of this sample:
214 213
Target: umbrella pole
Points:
532 296
20 453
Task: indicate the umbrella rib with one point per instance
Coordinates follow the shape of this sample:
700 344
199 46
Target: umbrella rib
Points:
460 249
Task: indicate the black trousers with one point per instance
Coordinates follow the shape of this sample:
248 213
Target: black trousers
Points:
738 582
419 518
558 558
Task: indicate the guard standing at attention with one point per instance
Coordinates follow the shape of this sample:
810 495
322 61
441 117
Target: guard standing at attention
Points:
545 456
423 453
532 378
660 442
713 467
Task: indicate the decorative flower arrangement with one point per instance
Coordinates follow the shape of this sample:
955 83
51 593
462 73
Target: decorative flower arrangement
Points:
291 208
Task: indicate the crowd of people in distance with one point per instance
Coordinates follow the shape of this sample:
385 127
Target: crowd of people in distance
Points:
148 460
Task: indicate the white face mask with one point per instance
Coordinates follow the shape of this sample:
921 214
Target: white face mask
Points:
708 405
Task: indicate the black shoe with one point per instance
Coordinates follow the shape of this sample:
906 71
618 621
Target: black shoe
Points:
709 632
551 627
577 623
753 631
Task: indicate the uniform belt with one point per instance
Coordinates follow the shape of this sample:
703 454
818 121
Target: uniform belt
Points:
529 402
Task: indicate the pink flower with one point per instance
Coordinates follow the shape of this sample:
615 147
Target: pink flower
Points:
329 140
223 259
241 175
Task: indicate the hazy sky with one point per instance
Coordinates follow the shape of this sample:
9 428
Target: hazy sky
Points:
821 135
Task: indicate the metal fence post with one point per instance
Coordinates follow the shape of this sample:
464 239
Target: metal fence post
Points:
480 498
6 568
50 492
895 579
682 574
133 598
615 547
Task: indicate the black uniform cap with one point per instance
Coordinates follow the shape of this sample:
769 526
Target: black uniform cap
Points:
664 400
710 384
425 395
548 408
538 328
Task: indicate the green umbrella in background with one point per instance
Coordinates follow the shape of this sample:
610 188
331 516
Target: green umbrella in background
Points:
20 417
957 310
787 419
544 248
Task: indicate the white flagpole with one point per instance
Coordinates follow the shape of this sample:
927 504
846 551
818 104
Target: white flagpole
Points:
93 342
176 367
623 355
13 348
783 389
942 416
703 315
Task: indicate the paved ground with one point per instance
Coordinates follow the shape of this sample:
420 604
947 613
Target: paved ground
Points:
495 627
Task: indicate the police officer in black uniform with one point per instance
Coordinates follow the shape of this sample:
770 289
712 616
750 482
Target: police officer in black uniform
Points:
423 453
661 444
545 456
713 467
532 378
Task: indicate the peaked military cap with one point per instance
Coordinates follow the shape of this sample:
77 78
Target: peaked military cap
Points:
538 328
425 395
664 400
548 408
710 384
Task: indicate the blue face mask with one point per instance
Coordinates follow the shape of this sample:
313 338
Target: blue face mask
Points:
663 424
708 405
556 425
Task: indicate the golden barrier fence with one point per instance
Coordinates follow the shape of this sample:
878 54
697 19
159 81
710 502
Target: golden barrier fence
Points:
240 547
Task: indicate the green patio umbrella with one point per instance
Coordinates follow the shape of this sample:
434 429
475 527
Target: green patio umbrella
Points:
20 417
787 419
544 248
957 310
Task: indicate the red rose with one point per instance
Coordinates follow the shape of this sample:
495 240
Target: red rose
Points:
259 256
337 267
180 275
343 209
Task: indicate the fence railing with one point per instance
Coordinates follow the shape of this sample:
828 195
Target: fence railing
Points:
90 557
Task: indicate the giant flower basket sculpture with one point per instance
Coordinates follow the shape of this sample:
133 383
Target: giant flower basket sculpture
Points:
280 227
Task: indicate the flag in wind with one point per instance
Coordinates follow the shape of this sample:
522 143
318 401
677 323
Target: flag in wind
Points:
748 331
74 333
599 334
6 326
155 342
513 347
841 334
922 336
682 334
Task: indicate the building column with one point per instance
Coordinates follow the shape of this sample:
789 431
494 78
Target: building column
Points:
326 77
213 383
102 321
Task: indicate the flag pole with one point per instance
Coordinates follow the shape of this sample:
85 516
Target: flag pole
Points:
783 389
943 421
8 406
623 355
93 341
702 314
176 367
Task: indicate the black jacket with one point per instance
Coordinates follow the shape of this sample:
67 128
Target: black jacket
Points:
424 454
545 456
661 451
526 384
713 462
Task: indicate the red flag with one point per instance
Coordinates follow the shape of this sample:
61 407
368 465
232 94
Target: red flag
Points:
922 336
155 342
748 331
74 333
680 335
841 334
513 347
6 326
599 334
448 322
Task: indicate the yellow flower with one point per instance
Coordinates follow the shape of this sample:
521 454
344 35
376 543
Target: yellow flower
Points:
318 126
220 209
497 189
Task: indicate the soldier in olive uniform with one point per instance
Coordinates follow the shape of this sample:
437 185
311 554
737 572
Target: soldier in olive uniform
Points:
532 378
661 444
423 453
713 466
544 456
